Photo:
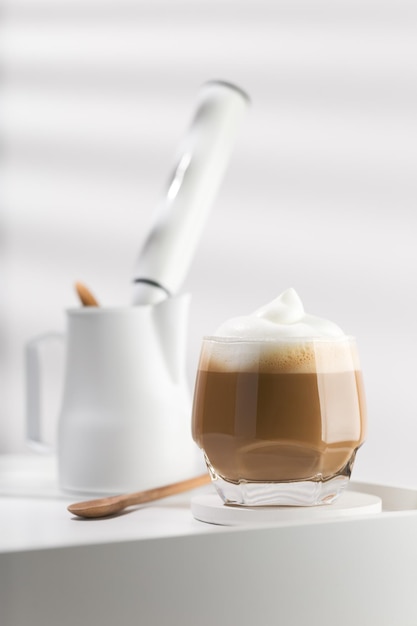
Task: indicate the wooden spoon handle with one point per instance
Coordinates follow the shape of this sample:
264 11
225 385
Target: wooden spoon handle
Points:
85 295
102 507
167 490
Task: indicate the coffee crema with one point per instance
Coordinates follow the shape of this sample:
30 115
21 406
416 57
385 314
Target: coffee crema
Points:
279 411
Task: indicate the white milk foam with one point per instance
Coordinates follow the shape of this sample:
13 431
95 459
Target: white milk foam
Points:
280 337
283 317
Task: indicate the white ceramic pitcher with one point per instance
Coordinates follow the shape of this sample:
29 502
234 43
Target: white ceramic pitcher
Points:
124 422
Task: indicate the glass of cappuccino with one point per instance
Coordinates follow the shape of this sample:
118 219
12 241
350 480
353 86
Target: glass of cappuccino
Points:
279 418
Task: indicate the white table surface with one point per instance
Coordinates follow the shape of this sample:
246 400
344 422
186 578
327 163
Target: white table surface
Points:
156 565
33 512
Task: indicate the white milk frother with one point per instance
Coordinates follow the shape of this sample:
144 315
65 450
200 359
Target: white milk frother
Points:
125 416
201 161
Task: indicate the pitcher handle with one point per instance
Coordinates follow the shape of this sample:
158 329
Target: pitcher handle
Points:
34 418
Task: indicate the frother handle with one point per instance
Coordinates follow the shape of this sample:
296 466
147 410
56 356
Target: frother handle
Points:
201 161
34 417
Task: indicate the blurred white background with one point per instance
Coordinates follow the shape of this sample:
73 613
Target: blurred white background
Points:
320 195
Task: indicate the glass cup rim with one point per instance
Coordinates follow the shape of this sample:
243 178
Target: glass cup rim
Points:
278 340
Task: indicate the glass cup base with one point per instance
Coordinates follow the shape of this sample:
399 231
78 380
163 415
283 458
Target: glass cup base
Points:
292 493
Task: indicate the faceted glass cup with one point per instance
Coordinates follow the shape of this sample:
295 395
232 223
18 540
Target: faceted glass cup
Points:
279 421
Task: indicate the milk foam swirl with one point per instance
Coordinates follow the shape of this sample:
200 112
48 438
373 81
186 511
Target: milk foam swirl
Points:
280 337
283 317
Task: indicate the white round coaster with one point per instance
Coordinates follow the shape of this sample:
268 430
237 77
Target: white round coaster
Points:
210 508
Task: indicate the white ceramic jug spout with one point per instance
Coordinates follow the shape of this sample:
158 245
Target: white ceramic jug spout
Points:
170 319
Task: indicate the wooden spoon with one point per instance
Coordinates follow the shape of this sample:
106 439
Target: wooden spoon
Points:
102 507
85 295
